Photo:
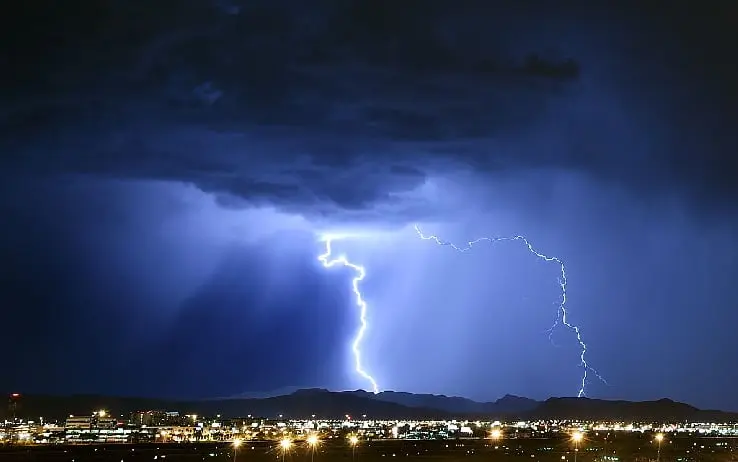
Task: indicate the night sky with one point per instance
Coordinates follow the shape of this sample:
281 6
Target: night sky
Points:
170 167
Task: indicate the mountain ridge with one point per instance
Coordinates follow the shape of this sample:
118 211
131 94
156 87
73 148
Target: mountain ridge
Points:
322 403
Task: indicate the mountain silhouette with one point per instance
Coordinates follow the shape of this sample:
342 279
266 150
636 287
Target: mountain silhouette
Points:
322 403
508 404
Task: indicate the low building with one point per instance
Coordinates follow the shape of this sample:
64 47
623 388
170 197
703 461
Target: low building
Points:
78 423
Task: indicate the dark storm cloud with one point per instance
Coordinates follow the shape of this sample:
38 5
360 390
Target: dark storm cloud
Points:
546 121
334 105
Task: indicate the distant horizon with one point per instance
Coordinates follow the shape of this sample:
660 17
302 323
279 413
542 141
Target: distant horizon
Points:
286 391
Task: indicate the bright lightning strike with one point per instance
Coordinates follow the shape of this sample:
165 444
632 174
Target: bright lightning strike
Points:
329 261
561 315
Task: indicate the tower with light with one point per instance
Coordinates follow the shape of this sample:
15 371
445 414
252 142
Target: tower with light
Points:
13 405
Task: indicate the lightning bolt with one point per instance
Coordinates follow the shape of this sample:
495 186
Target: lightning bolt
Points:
561 314
328 262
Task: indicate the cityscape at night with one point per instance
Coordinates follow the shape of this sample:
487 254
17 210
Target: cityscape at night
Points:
171 427
180 436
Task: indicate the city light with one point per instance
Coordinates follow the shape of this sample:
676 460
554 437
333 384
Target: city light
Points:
354 440
236 444
313 441
659 439
285 444
166 427
577 437
102 413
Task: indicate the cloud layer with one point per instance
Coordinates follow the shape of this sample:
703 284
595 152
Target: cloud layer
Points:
345 110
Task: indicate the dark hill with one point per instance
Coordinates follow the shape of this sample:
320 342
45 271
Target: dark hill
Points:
391 405
302 403
596 409
326 404
507 405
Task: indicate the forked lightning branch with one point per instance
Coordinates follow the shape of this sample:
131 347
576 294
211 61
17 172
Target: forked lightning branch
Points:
329 261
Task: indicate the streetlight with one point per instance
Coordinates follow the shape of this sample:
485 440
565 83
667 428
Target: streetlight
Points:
313 442
659 439
495 434
353 440
576 437
236 444
285 444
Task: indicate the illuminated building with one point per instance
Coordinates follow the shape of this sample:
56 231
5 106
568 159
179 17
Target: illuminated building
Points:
155 418
78 423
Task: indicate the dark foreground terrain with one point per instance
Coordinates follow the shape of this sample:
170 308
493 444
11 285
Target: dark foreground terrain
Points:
386 405
605 448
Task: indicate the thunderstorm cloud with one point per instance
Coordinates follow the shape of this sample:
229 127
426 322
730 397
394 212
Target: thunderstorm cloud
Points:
347 108
166 167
